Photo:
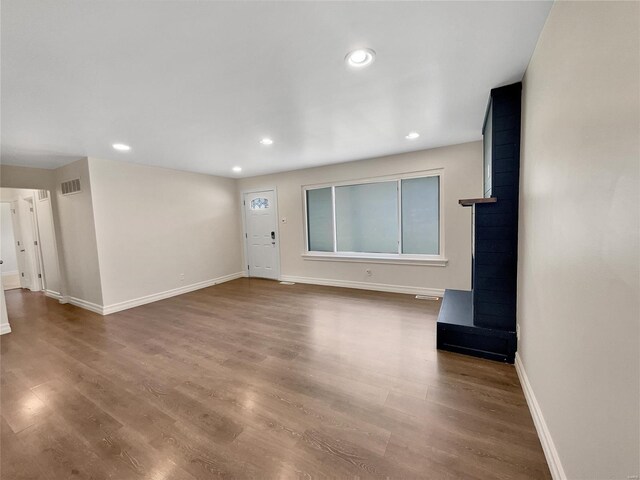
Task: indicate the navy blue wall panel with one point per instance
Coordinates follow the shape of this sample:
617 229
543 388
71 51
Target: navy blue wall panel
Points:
482 322
496 224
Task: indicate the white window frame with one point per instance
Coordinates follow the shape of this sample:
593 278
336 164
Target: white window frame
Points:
393 258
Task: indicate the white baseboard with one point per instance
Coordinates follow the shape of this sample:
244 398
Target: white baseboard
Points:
52 294
78 302
5 328
136 302
379 287
549 448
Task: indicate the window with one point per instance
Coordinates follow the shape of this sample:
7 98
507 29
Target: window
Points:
259 203
397 219
367 218
320 219
421 215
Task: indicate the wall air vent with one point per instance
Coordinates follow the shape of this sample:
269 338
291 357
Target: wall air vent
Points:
43 195
70 186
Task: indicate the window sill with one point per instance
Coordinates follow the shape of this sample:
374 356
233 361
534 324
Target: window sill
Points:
392 259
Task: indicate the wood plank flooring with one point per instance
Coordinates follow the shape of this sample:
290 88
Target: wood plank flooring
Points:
253 379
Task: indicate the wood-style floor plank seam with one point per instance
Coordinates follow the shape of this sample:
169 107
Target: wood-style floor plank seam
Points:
253 379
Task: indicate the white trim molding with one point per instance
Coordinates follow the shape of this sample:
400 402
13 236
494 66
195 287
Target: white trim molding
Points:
5 328
78 302
52 294
378 287
395 259
549 448
136 302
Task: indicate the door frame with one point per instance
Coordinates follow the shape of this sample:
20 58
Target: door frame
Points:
37 250
245 238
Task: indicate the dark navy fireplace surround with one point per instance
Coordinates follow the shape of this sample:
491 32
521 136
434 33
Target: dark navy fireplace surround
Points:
482 322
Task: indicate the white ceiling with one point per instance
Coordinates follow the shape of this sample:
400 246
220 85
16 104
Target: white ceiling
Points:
195 85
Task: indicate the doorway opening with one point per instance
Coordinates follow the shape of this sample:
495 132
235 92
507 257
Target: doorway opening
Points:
28 246
9 266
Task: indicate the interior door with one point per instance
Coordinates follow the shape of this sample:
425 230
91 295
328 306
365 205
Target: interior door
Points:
261 234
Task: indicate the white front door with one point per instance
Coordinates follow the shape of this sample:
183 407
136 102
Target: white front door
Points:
261 234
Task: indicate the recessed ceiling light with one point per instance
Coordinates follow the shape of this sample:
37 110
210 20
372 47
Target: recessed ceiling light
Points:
237 169
121 147
412 135
266 141
360 58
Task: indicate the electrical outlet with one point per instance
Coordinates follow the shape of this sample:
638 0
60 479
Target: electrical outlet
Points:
182 277
368 272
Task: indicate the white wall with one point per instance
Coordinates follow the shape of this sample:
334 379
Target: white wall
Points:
26 177
578 254
7 244
154 224
78 236
462 178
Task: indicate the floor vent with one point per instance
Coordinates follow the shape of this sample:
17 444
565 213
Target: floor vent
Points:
70 186
287 283
427 297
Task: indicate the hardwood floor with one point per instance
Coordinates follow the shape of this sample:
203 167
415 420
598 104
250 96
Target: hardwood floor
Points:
253 379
